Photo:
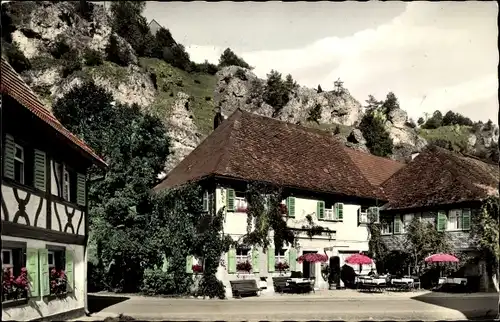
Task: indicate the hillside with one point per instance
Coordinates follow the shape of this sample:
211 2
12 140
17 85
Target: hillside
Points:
56 47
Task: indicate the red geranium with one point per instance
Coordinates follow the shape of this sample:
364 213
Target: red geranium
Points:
197 268
283 209
58 282
15 287
244 266
281 266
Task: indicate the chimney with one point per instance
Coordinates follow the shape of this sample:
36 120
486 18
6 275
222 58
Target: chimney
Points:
218 118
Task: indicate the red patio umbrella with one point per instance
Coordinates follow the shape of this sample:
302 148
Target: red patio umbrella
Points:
441 258
359 259
313 258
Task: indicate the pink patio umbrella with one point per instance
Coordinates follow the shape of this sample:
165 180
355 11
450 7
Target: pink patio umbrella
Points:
359 259
313 258
441 258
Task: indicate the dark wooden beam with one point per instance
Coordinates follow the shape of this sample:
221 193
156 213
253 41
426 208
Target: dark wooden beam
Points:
23 231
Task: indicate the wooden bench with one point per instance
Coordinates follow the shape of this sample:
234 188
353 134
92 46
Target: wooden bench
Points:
241 288
280 284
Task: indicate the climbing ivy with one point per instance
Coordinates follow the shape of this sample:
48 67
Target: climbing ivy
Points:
376 245
485 231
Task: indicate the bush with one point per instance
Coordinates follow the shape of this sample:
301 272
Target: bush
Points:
177 57
377 138
240 73
15 57
115 54
71 63
92 57
59 48
213 288
158 282
229 58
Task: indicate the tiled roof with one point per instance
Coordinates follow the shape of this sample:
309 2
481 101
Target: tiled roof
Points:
375 169
13 85
251 147
437 177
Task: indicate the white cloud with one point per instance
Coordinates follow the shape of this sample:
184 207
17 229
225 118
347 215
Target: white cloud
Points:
444 51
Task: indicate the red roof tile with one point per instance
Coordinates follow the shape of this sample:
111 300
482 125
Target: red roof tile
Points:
437 177
251 147
375 169
13 85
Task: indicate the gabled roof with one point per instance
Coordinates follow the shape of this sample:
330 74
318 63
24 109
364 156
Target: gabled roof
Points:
12 84
251 147
438 177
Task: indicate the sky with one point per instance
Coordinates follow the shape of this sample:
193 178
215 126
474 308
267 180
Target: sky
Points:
432 55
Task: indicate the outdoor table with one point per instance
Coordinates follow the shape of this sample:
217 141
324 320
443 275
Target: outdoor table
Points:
377 281
299 284
402 280
456 280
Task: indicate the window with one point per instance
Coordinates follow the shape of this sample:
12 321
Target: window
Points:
7 260
386 228
363 215
19 164
65 184
458 219
242 255
205 201
398 224
407 218
57 269
279 256
240 203
51 259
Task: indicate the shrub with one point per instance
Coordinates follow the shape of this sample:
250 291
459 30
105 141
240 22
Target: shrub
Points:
71 63
240 73
315 114
59 48
92 57
177 57
229 58
377 138
213 288
158 282
15 57
115 54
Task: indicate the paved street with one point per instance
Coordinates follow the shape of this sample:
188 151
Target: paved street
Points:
334 305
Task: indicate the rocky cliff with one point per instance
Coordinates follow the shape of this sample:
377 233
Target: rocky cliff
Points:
184 101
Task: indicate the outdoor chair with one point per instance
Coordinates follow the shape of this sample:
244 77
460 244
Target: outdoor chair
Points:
244 287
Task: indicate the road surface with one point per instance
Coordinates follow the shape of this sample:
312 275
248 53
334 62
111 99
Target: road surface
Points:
343 305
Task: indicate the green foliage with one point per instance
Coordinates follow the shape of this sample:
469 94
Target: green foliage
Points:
315 114
15 57
377 247
451 118
411 123
320 90
183 229
372 103
391 103
434 122
277 92
59 48
229 58
128 22
485 230
135 146
163 39
70 63
206 68
115 54
177 56
452 137
377 138
92 57
158 282
422 240
85 9
420 121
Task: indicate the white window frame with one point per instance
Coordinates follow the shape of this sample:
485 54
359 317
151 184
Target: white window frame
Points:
363 215
280 256
329 214
455 221
11 261
21 160
66 184
406 221
242 255
240 203
387 228
205 201
53 264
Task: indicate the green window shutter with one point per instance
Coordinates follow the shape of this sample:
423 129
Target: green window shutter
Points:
43 259
255 260
80 189
340 211
466 219
165 263
189 264
70 271
292 259
10 151
230 199
397 224
270 260
33 272
441 221
39 171
320 209
231 260
290 205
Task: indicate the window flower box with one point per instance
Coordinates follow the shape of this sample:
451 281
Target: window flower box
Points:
197 268
58 283
14 289
245 266
281 267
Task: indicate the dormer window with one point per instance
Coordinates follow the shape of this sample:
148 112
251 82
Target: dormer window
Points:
19 164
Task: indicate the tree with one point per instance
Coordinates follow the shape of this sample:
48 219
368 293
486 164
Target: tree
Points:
423 239
115 54
276 92
420 121
372 103
435 121
135 147
177 56
377 138
315 113
229 58
391 103
163 39
290 84
320 90
128 22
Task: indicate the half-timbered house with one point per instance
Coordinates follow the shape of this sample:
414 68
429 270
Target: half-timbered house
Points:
43 208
